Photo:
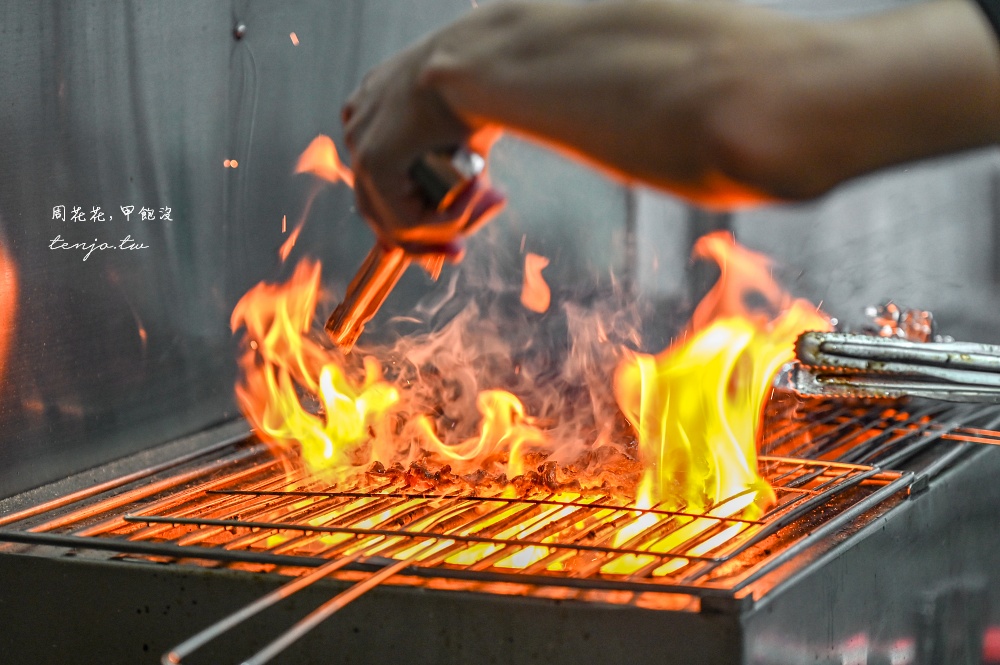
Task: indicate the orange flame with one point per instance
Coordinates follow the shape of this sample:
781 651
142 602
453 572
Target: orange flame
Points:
504 429
320 159
285 368
281 360
696 406
535 294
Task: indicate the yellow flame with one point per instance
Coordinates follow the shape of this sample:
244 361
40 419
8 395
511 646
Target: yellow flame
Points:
504 428
281 361
696 407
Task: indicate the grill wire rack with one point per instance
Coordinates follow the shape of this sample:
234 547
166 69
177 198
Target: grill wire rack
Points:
234 505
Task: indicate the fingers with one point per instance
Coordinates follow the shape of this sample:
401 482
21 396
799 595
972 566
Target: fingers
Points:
395 207
359 110
389 121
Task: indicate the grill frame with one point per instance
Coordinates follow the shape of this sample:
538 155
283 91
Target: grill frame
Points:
898 440
517 623
42 534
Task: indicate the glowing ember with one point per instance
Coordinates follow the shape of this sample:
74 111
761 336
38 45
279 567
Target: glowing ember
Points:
289 244
295 38
696 407
535 293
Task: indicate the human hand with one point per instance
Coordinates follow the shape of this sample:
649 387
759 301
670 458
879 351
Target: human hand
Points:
393 120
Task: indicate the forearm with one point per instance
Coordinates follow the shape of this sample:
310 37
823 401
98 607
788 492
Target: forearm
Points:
919 82
721 103
886 89
623 86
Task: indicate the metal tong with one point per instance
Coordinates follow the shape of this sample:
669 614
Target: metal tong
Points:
441 179
857 365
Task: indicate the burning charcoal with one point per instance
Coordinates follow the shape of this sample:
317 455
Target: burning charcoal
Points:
567 478
570 484
601 455
418 469
526 482
376 468
395 472
475 477
420 486
547 474
536 459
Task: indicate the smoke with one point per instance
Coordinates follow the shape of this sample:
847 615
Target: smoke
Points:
471 342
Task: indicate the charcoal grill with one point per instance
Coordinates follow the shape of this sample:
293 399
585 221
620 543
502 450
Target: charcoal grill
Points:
882 546
232 511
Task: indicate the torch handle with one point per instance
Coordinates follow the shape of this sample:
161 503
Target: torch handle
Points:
442 178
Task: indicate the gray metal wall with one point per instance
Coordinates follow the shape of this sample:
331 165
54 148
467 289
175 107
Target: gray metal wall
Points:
91 116
139 103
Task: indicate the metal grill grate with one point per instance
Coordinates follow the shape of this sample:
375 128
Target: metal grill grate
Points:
888 436
826 463
234 505
256 513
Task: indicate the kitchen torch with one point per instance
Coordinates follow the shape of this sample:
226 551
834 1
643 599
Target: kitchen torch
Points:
442 179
